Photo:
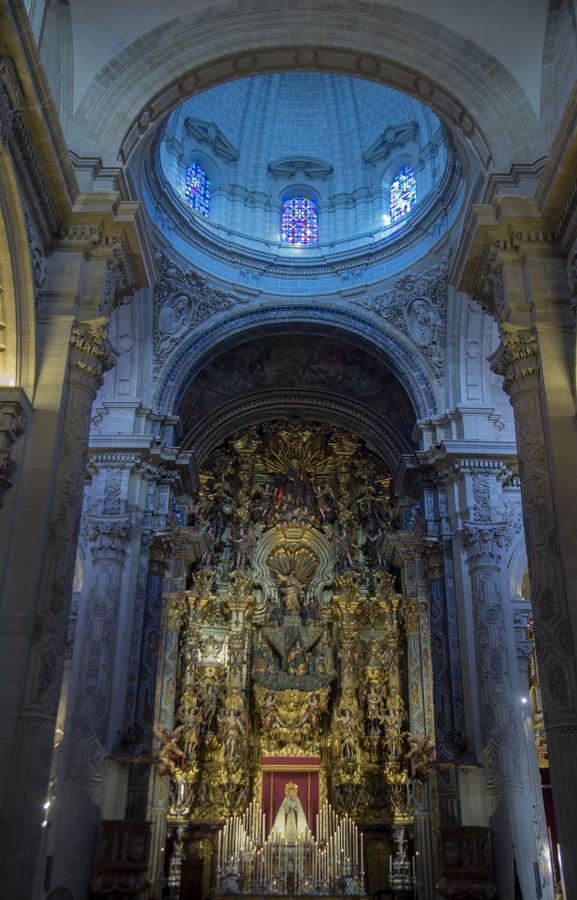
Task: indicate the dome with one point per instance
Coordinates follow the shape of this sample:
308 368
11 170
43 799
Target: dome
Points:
365 176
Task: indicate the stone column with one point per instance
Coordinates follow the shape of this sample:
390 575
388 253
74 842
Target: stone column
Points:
77 808
504 746
517 268
141 743
524 656
518 360
89 357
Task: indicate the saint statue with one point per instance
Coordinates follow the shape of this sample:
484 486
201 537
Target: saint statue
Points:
292 591
290 821
297 660
294 485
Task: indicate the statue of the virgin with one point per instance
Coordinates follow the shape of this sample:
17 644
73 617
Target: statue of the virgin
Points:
290 822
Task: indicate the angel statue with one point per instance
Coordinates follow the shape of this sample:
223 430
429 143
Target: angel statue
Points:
170 755
421 752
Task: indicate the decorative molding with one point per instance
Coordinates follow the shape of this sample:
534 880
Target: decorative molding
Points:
288 166
209 133
14 133
391 137
37 260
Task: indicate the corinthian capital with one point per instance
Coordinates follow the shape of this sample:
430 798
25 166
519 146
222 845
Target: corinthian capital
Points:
516 358
484 544
108 538
91 353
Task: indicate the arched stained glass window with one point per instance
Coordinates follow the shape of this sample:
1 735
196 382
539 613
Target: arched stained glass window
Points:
299 222
403 193
197 189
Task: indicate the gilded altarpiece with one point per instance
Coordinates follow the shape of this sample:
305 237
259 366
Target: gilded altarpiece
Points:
288 649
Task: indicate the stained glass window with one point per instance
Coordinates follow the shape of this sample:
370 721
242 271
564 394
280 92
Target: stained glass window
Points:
299 222
197 189
403 193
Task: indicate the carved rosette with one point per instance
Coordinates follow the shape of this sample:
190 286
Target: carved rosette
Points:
517 360
108 538
91 354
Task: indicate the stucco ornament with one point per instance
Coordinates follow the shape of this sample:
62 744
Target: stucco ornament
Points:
183 299
209 133
173 318
392 136
423 322
417 306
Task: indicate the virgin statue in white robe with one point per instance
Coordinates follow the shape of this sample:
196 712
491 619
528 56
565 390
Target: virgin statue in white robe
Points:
290 822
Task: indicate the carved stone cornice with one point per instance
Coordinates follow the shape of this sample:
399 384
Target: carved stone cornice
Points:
14 412
91 354
108 538
484 544
517 359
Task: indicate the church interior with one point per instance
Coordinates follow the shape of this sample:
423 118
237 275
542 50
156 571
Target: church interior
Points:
288 395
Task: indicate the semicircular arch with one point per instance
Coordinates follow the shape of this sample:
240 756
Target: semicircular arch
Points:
148 78
224 331
380 436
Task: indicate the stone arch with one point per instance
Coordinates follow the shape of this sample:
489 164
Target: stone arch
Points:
17 310
412 371
149 77
380 436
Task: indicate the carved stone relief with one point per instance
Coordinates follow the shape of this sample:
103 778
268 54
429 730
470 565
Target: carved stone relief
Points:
417 305
182 300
